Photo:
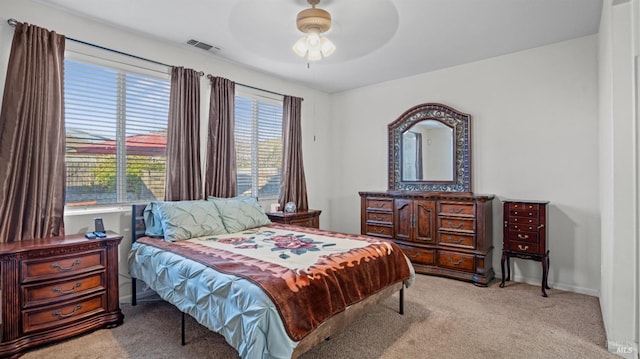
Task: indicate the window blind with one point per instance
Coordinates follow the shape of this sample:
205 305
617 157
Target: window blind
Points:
116 126
258 136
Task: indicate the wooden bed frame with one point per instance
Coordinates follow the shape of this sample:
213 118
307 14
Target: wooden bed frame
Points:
322 332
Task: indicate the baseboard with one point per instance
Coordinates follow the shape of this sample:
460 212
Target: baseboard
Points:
559 286
623 348
147 295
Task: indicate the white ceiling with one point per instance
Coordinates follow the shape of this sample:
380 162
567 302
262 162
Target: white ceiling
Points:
376 40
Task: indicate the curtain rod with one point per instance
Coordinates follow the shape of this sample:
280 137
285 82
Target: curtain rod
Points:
210 77
14 22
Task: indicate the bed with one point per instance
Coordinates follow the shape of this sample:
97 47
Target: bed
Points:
272 290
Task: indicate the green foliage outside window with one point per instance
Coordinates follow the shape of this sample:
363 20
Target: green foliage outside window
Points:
137 167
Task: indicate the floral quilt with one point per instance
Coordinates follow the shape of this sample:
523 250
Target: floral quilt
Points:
310 274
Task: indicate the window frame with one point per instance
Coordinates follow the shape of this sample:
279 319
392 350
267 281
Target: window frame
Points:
119 62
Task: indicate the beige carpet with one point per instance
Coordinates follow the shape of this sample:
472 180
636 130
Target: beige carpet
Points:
443 319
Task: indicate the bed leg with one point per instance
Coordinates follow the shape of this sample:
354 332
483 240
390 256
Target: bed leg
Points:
182 325
133 292
402 300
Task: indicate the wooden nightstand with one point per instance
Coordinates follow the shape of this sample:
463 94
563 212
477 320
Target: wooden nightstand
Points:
525 235
310 218
56 288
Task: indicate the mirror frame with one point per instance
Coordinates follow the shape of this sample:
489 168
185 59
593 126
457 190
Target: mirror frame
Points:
460 122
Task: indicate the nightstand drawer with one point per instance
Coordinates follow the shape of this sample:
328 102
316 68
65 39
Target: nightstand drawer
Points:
457 209
384 217
456 224
457 240
73 264
59 315
531 237
523 247
309 218
420 256
33 295
458 261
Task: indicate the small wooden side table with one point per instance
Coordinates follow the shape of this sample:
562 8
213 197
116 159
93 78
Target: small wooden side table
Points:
55 288
525 235
310 218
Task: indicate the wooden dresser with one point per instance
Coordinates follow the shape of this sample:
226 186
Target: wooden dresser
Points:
56 288
443 233
310 218
525 236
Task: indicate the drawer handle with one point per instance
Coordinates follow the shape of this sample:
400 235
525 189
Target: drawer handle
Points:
451 240
413 256
63 292
62 316
380 204
451 225
457 210
457 263
523 248
58 267
378 230
377 218
523 236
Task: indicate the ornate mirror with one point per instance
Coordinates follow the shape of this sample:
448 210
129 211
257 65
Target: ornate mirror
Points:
430 150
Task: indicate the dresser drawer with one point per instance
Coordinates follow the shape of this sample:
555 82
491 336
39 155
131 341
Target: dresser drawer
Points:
524 206
70 288
383 217
457 209
37 269
531 237
379 231
524 220
381 204
523 213
456 224
457 261
523 247
457 240
523 227
420 256
64 313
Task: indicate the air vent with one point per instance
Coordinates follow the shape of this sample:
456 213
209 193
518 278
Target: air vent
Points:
202 45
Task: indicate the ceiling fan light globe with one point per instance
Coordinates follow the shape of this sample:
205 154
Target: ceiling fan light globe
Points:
300 47
314 55
327 47
313 40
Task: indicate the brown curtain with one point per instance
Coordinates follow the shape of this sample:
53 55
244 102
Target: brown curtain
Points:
32 137
293 186
183 178
221 152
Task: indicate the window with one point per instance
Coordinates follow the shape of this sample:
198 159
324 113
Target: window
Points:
258 136
116 127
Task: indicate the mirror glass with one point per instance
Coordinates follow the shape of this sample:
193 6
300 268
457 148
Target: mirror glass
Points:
430 150
427 152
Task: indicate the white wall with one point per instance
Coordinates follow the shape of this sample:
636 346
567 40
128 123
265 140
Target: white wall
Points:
534 136
618 81
315 107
